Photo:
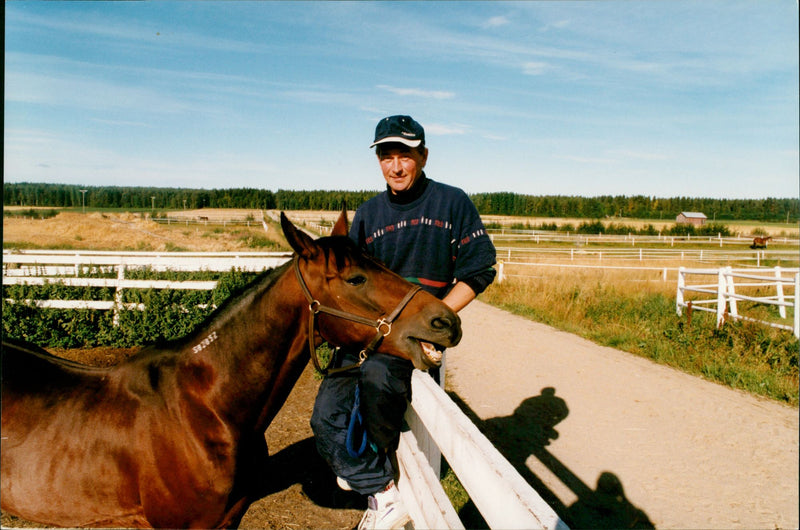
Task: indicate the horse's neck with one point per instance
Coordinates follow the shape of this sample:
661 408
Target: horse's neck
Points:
258 351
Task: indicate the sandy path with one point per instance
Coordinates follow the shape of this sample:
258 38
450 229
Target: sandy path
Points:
688 453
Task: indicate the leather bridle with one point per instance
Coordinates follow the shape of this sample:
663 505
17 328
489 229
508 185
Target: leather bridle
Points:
383 326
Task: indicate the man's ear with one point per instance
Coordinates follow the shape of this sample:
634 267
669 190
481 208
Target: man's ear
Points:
301 243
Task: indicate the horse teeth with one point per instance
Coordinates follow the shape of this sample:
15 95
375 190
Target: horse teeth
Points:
431 351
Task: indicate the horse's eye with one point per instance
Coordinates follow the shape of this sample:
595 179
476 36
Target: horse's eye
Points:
357 279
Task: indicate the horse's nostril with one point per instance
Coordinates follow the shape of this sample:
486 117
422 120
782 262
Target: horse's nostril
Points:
441 323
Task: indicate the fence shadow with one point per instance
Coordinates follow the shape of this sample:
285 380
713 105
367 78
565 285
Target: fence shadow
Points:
528 431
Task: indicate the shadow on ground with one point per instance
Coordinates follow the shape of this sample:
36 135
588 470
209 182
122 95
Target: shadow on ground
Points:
300 463
528 431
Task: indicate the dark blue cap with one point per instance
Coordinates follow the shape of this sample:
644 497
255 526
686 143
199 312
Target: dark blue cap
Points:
401 129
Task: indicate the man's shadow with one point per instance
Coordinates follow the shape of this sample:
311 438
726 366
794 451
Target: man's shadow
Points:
528 431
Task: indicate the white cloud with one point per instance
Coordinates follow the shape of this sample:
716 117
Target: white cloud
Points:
585 159
638 155
534 68
431 94
41 156
496 22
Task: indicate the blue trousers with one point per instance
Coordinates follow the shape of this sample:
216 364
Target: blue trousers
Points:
384 383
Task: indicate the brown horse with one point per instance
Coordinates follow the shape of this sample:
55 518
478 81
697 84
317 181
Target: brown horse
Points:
760 242
174 436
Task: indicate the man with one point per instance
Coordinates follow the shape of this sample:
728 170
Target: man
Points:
431 234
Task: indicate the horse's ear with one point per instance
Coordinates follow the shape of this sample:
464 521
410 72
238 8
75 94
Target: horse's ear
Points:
341 228
299 240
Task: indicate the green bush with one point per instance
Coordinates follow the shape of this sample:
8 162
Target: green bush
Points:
169 313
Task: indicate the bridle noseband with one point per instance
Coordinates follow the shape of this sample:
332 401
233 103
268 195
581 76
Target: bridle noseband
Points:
383 326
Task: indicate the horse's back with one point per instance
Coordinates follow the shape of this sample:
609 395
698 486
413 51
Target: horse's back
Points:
30 369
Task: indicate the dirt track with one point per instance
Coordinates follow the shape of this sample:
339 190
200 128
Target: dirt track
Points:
688 453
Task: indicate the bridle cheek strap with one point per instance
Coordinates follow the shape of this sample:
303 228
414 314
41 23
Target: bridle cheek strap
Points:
383 326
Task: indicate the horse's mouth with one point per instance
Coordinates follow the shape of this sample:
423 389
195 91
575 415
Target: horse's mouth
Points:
431 353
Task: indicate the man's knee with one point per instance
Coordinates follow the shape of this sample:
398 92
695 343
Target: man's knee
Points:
333 404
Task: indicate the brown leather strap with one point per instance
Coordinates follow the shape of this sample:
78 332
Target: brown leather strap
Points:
382 326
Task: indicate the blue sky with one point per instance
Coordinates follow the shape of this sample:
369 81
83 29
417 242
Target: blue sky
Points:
666 99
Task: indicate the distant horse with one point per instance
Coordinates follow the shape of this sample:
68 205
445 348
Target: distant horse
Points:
173 437
760 242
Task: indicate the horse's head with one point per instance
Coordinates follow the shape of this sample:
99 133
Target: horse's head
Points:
360 302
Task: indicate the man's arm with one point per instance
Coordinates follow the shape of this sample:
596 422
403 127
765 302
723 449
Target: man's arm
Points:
459 296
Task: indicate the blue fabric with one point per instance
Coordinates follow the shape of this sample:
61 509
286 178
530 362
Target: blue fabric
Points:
333 409
356 433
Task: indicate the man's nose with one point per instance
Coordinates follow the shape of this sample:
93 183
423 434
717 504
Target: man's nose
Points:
397 167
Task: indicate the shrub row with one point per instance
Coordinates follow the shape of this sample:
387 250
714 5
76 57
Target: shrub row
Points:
169 313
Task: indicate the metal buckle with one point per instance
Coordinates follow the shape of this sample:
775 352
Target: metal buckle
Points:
388 325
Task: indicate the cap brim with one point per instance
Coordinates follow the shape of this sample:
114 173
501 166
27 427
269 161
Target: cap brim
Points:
397 140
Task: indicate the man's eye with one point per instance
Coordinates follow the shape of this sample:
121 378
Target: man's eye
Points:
357 280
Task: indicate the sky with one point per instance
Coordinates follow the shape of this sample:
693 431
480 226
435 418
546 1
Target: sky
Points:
636 97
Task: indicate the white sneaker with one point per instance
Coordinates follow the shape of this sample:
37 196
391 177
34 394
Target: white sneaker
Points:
343 484
386 511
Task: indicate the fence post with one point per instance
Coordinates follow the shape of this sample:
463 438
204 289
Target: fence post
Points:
720 297
118 293
781 299
796 312
500 271
731 291
679 293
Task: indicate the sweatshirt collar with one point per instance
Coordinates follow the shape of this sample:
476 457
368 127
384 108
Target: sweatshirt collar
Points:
411 195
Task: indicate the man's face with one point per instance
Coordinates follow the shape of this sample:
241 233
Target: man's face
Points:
401 166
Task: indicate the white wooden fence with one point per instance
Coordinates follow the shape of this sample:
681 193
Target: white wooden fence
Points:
724 297
37 267
601 255
548 236
498 491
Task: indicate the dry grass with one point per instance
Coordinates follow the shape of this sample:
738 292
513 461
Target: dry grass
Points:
128 231
635 312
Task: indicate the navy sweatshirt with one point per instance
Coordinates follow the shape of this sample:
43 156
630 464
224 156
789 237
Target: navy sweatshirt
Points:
432 237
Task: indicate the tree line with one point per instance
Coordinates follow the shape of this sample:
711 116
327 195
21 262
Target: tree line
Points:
499 203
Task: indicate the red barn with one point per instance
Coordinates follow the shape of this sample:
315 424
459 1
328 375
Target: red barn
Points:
691 218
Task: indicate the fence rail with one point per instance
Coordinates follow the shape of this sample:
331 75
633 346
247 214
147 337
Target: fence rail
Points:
642 254
547 236
724 296
501 495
